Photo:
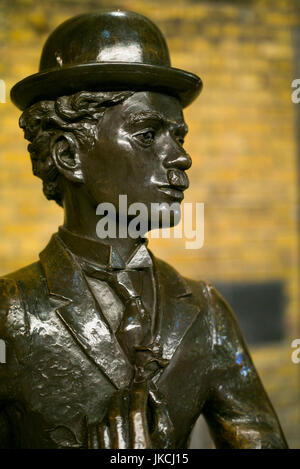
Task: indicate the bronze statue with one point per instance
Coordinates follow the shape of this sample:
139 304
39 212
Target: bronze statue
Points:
107 346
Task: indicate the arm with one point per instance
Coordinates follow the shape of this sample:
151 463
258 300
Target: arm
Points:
238 411
9 304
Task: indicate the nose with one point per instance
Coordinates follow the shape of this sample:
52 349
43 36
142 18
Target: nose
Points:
177 157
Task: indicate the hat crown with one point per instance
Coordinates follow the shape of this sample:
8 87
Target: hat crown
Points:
105 51
110 36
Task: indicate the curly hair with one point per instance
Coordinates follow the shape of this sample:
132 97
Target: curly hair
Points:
78 113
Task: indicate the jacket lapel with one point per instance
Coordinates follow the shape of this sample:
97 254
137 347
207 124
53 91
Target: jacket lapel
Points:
81 314
177 312
79 311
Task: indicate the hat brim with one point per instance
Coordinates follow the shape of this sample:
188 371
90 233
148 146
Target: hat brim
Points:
106 77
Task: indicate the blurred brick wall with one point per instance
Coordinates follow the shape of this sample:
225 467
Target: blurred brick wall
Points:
242 137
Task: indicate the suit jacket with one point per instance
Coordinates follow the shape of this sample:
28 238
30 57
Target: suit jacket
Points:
63 363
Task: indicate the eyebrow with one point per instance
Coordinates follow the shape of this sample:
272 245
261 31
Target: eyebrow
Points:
152 115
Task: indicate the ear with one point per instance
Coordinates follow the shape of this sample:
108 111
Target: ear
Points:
65 154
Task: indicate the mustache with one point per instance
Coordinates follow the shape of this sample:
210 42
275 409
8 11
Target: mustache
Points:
177 179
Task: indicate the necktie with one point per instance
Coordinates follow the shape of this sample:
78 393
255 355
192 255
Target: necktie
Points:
134 332
135 327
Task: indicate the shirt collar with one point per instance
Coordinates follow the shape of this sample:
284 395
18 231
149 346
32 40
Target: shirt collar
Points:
103 254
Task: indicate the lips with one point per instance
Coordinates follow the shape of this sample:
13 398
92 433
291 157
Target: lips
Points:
178 182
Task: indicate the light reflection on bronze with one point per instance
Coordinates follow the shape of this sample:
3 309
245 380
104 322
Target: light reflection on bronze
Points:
107 346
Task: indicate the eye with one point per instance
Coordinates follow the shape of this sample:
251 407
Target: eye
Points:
145 138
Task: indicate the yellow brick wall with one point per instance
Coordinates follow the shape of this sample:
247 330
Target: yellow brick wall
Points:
242 137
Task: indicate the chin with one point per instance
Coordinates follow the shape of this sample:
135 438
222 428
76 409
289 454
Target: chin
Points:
166 216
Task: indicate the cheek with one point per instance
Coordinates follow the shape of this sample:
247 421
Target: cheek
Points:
108 170
117 166
93 173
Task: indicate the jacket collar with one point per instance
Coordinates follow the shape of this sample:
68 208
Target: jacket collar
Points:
105 255
80 312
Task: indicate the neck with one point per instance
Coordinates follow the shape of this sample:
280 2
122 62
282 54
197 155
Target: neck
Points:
80 218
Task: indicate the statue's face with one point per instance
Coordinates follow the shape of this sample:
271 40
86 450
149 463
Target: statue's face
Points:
138 152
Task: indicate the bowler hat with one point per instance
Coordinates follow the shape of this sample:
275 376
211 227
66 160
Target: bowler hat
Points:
105 51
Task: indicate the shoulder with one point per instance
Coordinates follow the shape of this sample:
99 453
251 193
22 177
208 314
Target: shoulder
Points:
200 290
22 280
221 319
226 342
217 312
15 290
178 285
225 321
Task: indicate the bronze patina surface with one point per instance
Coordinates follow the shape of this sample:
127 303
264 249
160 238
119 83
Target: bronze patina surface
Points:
106 345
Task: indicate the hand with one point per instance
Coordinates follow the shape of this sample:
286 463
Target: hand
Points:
127 426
